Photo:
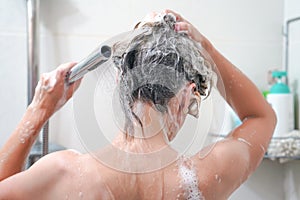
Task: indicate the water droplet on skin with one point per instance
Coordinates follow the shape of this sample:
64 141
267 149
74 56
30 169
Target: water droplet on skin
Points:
218 178
244 141
80 194
22 140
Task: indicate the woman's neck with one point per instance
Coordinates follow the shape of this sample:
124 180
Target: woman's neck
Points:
149 137
140 145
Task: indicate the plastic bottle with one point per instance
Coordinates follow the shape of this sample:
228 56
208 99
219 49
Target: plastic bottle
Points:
281 100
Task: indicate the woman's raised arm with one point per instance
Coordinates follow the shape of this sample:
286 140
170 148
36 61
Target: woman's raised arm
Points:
243 149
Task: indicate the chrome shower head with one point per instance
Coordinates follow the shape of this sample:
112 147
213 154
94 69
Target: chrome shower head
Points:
94 60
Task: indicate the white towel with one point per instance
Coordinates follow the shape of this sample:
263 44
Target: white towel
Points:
286 148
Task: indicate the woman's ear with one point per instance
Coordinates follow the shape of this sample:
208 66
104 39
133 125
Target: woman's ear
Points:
195 100
192 87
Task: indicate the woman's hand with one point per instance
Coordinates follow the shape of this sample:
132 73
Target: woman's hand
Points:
185 26
52 92
182 25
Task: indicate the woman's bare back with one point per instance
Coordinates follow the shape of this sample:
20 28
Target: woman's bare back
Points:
81 176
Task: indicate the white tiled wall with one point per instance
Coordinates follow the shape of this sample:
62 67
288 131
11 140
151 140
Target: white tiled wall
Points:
247 32
13 65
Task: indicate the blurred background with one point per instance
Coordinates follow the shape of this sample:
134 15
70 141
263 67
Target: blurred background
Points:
249 33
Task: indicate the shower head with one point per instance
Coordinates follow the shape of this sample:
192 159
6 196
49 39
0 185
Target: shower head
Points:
94 60
101 54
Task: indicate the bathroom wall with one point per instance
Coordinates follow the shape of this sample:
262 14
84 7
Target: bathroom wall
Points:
292 10
13 68
71 29
247 32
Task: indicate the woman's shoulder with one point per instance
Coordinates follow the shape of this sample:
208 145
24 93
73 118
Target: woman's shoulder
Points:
58 162
222 167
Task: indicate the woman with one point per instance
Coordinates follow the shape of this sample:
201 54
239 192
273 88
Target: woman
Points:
155 107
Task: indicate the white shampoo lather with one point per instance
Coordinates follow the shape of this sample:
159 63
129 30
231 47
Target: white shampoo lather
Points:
281 100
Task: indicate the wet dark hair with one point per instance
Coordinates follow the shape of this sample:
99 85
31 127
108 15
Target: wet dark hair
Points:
156 64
